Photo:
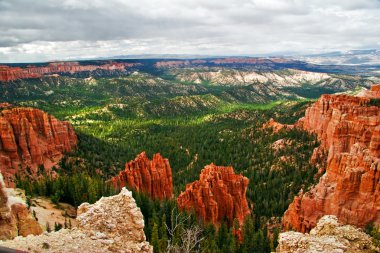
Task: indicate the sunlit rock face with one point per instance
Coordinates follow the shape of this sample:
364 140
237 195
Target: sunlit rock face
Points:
349 130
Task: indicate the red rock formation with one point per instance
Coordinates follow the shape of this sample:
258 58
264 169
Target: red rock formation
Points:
349 130
13 73
29 138
153 177
219 194
5 105
276 126
15 218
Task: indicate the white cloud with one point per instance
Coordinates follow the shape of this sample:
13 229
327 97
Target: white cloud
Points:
60 29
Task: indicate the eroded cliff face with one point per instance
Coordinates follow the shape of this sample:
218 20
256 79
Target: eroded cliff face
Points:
112 224
328 236
15 218
29 138
349 130
153 177
219 194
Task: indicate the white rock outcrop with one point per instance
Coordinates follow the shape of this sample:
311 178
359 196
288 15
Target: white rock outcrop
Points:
328 236
112 224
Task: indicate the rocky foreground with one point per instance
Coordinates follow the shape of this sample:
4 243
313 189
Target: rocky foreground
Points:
328 236
112 224
15 218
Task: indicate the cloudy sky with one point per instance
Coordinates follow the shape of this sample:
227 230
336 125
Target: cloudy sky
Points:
41 30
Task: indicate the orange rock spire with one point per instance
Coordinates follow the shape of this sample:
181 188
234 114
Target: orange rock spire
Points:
153 177
218 194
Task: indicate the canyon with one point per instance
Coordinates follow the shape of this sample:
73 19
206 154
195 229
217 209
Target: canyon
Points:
218 195
348 128
30 138
153 177
194 112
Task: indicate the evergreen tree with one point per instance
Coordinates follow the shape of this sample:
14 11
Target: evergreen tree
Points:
154 238
163 242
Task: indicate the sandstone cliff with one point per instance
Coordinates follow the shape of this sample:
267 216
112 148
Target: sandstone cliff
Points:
327 236
218 195
112 224
15 218
29 138
349 130
153 177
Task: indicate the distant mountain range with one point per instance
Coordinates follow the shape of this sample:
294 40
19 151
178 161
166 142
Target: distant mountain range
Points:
352 57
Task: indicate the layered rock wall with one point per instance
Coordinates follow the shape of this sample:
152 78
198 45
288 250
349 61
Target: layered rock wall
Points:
349 130
30 138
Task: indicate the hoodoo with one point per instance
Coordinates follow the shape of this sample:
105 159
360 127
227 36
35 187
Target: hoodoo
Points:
154 177
218 195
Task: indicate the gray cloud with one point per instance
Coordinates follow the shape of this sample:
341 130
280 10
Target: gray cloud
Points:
60 29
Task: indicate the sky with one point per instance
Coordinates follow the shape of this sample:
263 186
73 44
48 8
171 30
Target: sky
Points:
44 30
